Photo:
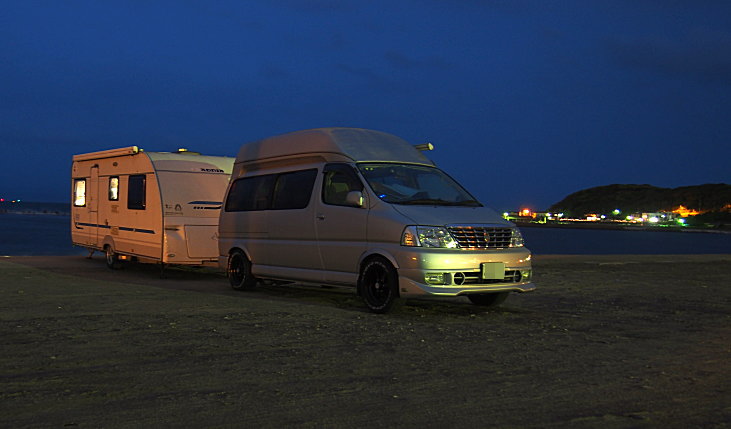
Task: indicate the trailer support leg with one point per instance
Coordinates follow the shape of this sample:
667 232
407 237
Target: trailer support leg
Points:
91 252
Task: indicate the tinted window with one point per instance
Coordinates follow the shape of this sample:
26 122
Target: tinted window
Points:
272 191
136 192
293 190
250 193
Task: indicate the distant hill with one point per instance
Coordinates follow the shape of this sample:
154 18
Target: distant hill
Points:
645 199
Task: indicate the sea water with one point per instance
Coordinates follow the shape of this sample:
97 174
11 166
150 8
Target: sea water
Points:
45 229
36 229
568 241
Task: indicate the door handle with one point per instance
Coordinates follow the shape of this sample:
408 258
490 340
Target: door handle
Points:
321 216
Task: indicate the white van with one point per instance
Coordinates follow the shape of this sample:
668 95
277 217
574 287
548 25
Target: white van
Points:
346 206
149 206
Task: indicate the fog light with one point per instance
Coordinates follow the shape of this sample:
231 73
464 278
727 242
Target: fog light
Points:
436 278
526 275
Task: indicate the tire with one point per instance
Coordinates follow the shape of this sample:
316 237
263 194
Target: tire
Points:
239 271
112 258
489 299
378 285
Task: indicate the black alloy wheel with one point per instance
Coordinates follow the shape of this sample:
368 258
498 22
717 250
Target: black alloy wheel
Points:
378 285
239 271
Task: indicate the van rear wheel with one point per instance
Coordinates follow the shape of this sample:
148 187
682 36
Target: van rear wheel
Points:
239 271
112 258
489 299
378 285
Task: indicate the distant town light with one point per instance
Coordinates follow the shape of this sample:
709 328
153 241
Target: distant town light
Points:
685 212
616 212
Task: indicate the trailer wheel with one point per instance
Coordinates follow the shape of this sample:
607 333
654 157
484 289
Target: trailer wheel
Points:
489 299
112 258
239 271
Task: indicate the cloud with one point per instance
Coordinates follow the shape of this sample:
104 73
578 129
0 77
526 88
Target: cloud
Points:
704 57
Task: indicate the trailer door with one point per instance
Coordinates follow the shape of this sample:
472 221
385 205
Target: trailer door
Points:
92 195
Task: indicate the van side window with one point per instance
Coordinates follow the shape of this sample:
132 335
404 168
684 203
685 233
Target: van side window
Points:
293 190
79 192
339 180
114 188
285 191
250 193
136 192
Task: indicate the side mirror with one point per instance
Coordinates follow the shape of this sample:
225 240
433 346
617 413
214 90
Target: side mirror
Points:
354 199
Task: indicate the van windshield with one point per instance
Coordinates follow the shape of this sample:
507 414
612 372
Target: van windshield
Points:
415 184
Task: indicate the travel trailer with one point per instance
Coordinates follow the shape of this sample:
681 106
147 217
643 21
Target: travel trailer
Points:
148 206
346 206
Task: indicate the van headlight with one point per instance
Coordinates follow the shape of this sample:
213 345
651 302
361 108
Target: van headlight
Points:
427 236
516 238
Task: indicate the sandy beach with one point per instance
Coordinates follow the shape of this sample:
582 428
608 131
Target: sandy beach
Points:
605 341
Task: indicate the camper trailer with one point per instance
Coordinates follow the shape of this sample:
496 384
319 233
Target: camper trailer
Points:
148 206
347 206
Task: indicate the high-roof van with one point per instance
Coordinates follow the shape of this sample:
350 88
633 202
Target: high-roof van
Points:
348 206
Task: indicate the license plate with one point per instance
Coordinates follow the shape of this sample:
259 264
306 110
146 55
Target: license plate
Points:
493 270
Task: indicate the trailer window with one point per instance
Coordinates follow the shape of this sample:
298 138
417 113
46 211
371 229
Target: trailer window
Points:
114 188
136 192
79 192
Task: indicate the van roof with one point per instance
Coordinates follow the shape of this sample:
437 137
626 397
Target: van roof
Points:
355 143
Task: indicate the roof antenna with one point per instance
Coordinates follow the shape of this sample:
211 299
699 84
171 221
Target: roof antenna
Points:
424 146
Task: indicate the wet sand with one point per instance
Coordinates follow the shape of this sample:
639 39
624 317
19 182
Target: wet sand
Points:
605 341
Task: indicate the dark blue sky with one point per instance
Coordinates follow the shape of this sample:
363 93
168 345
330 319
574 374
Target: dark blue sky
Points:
525 101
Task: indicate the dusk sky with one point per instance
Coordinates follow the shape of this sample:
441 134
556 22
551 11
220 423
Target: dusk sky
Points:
525 101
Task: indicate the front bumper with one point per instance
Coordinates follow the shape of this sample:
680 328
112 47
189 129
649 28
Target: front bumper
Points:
459 272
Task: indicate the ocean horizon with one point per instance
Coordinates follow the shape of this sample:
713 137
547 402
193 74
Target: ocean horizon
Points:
31 228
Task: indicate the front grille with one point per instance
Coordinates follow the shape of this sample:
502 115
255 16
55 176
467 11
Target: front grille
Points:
481 237
473 278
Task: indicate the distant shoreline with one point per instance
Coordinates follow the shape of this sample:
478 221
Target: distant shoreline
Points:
34 208
35 212
619 227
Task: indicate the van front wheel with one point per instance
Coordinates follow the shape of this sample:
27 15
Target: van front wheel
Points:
378 285
239 271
